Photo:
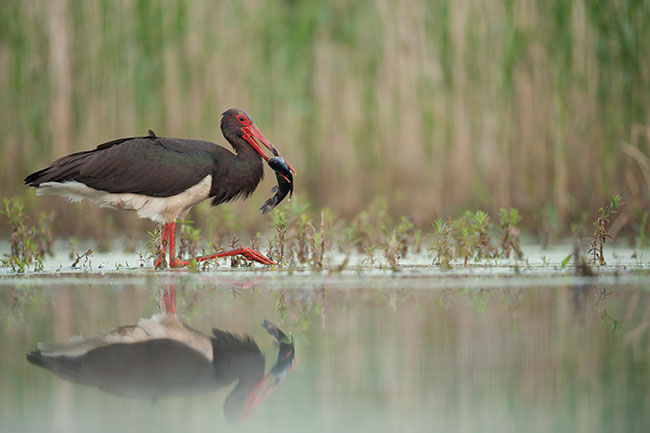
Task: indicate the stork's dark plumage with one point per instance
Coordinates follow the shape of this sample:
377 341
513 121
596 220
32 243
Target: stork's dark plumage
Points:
163 356
162 178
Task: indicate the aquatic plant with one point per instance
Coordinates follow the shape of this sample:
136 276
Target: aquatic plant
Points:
600 233
236 261
280 223
28 244
417 241
142 259
155 248
403 233
84 259
443 242
509 232
482 241
297 247
317 240
302 246
369 255
372 226
348 240
392 251
462 233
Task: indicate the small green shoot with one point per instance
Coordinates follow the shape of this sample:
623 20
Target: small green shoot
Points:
443 242
545 261
566 261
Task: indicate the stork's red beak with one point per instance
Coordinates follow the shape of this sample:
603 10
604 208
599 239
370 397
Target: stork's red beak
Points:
264 388
252 135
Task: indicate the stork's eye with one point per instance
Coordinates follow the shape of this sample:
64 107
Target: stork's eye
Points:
242 119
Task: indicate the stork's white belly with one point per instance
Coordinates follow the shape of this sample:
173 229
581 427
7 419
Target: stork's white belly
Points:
160 326
159 209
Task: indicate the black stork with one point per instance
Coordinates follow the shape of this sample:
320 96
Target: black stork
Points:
163 356
163 178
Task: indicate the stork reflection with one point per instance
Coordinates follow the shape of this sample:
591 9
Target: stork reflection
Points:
163 356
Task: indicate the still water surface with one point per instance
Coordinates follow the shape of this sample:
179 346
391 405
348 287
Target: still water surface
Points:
378 355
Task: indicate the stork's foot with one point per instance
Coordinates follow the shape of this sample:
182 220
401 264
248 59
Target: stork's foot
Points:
178 263
248 253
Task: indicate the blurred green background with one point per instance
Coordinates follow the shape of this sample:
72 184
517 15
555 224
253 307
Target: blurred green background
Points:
432 106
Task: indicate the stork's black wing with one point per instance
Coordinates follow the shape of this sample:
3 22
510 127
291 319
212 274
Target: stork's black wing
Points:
154 166
149 369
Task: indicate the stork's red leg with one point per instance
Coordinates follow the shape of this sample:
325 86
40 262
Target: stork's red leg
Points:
169 298
174 262
172 242
165 241
244 251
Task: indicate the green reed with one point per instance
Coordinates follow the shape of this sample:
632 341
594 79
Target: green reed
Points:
430 106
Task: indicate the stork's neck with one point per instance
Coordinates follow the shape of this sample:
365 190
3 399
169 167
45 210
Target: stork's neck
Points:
239 173
248 166
239 145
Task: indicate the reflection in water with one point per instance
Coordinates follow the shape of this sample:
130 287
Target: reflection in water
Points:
528 357
163 356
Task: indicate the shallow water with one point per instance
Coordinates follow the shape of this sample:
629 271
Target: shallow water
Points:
408 351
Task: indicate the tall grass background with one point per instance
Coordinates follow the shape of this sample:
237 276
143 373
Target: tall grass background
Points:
434 107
